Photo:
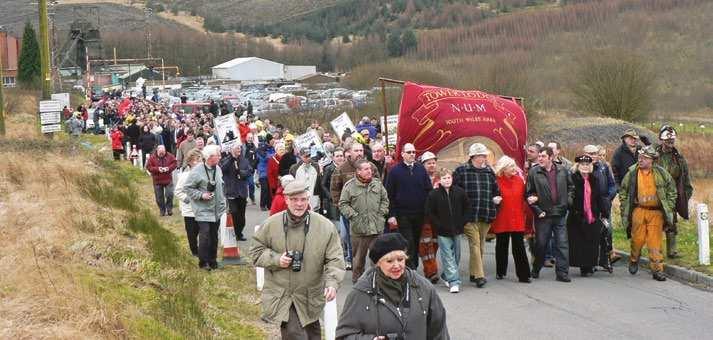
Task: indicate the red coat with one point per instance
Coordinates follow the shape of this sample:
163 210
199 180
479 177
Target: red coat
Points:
278 202
273 172
244 130
116 140
511 213
167 161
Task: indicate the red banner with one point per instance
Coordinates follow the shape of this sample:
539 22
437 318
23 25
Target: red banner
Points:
124 106
432 117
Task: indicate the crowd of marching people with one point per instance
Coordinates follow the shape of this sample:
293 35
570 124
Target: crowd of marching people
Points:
332 207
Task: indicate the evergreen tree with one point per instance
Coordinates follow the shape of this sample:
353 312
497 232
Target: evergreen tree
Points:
409 41
29 68
393 44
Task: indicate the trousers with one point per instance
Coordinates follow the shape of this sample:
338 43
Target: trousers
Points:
476 233
265 196
192 230
410 228
502 242
552 227
449 249
360 247
236 206
164 197
647 229
207 244
293 330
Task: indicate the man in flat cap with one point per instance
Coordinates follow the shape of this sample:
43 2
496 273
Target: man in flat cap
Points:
648 199
302 254
674 162
625 155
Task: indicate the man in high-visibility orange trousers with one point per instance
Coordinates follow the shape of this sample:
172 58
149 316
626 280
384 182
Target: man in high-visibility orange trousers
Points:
648 198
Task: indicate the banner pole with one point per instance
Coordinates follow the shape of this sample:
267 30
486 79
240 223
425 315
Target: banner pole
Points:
386 113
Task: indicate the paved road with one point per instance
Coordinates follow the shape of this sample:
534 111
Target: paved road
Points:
605 306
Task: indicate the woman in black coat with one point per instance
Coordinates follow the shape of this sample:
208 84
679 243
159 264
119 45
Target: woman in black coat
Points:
584 223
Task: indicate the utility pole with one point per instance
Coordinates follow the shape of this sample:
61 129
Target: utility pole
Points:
147 15
45 51
2 98
56 78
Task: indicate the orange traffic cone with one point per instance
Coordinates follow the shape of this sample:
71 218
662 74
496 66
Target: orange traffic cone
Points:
231 252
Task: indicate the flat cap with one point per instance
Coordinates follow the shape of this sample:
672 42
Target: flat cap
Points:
295 187
630 133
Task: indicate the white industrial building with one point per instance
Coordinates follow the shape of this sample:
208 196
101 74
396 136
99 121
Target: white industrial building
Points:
258 69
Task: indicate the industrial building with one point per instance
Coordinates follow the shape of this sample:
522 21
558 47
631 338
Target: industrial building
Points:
258 69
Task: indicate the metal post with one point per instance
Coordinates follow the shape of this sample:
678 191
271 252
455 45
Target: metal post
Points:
2 98
45 50
386 114
704 253
163 74
128 151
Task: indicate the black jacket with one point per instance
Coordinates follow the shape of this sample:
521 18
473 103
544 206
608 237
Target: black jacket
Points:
286 162
235 174
367 313
599 199
621 161
538 185
147 142
133 132
447 211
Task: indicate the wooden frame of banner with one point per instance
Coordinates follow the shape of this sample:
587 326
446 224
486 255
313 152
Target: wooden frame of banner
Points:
519 100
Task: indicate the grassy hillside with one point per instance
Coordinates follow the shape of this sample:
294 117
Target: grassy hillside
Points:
83 258
535 53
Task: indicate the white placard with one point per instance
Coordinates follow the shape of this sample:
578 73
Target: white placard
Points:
50 105
306 140
51 128
393 122
228 133
341 124
49 118
63 98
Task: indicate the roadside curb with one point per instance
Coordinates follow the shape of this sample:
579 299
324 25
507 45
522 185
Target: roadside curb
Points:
677 272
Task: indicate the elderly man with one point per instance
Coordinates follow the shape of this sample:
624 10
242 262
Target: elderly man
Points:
559 159
408 186
365 203
309 172
378 157
478 180
340 176
625 155
648 202
161 165
336 161
674 162
236 173
302 255
204 187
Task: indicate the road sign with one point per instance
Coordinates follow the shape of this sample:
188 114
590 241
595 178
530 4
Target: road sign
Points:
50 105
63 98
51 128
49 118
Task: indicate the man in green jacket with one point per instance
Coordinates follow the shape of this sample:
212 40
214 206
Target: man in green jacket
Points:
365 203
302 256
676 165
648 197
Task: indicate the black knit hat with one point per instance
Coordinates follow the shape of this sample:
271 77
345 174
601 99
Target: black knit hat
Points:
385 244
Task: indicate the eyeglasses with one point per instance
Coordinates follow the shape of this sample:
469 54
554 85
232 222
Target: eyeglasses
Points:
414 151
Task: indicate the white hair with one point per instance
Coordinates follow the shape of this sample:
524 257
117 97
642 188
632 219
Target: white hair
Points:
503 163
210 150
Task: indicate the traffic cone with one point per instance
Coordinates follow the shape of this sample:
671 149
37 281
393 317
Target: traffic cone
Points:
231 252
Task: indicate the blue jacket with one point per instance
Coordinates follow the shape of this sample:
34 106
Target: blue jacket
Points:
607 185
235 176
264 152
407 189
368 126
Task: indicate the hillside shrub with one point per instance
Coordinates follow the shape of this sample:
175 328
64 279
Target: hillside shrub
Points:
614 83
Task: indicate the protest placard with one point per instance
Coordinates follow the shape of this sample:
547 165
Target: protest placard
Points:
228 134
341 124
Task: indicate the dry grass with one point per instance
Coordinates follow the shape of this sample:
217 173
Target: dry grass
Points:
45 234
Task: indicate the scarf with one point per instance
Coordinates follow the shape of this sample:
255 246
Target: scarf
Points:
588 201
393 290
295 221
363 180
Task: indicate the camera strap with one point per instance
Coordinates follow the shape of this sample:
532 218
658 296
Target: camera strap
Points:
205 168
284 228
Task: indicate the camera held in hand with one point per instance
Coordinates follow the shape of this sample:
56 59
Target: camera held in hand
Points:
394 336
210 187
296 262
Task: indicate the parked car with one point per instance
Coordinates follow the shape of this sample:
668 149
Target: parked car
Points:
191 107
272 108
